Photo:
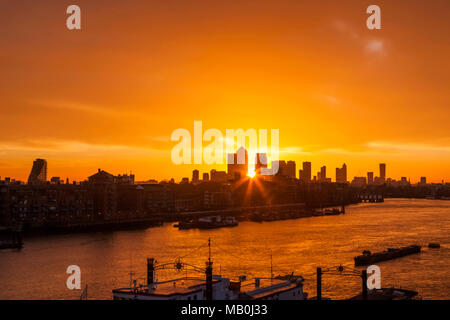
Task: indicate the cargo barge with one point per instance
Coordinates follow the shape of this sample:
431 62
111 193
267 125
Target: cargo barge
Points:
212 222
368 258
387 294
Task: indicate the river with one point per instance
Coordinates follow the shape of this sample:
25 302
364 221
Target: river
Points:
106 259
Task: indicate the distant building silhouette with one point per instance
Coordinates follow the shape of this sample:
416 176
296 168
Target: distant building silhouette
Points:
56 180
206 176
305 174
260 163
124 179
101 177
285 169
341 174
237 164
281 164
370 177
195 176
290 169
218 176
322 174
38 172
383 172
359 181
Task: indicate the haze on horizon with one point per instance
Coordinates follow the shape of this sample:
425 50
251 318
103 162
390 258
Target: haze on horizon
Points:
109 96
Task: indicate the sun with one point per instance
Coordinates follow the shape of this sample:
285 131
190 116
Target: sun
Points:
251 173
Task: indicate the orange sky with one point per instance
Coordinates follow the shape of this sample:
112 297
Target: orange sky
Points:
109 96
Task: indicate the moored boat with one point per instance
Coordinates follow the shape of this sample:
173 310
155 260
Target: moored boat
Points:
392 253
387 294
210 287
210 222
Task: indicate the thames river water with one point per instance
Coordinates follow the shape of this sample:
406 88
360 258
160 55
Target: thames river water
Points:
106 259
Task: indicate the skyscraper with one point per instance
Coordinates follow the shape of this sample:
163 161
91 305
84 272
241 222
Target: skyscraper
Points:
323 174
370 177
237 164
290 169
383 171
218 176
281 165
261 162
306 172
38 172
195 176
341 174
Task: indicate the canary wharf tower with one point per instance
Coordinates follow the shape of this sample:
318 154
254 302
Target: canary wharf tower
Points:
38 173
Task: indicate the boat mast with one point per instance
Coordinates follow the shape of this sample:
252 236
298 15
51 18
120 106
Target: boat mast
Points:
209 249
271 266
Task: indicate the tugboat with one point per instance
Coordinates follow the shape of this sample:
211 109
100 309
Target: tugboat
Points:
368 258
211 222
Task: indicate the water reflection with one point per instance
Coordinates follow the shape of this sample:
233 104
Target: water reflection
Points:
299 246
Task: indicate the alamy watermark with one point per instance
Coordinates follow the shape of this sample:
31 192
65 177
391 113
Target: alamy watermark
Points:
373 277
73 22
74 280
190 148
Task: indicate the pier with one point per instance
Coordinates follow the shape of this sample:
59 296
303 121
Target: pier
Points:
371 197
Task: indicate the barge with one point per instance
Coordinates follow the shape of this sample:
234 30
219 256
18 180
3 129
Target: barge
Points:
211 222
368 258
387 294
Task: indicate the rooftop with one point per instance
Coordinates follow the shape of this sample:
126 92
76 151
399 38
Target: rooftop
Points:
170 288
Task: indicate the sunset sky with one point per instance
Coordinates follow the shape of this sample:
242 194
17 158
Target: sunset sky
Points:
110 95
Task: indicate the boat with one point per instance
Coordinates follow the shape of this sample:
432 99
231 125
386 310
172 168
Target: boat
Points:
434 245
256 217
210 287
387 294
327 212
333 212
317 213
10 245
210 222
368 258
15 243
194 288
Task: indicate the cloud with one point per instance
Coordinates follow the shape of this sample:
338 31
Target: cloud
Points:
89 108
50 147
375 46
372 46
331 99
408 147
293 150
